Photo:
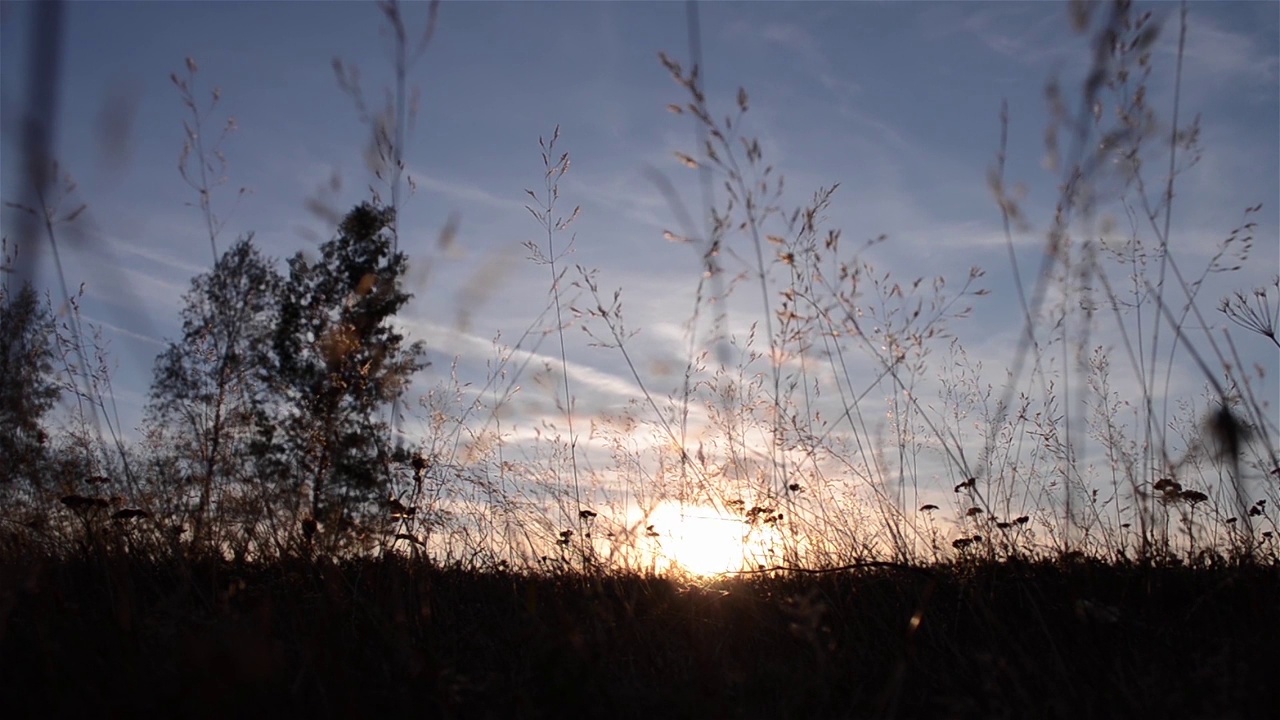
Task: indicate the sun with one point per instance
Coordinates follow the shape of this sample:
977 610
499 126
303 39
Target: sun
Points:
702 540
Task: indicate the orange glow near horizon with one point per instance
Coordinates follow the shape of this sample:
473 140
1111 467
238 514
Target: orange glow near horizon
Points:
701 540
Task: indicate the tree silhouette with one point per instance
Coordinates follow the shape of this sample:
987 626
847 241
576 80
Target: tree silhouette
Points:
338 359
28 389
210 395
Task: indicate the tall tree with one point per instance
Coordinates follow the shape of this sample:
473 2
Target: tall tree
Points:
28 389
210 394
339 359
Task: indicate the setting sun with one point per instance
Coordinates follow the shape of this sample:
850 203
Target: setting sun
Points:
704 541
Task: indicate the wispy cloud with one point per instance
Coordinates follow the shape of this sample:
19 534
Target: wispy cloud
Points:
1228 58
799 43
1007 29
896 101
467 193
165 260
474 347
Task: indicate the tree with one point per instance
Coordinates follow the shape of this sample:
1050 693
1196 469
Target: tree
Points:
338 359
28 389
210 395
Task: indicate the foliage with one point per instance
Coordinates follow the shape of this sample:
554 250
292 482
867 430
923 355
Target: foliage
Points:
337 359
28 386
210 396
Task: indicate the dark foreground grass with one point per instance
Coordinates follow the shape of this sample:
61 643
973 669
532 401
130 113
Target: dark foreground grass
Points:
107 638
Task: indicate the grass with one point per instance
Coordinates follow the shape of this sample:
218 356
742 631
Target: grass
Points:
374 636
923 544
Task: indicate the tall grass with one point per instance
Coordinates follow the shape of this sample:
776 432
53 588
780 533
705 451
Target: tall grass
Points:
834 418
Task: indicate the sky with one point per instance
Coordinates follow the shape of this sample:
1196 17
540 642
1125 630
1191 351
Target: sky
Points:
899 103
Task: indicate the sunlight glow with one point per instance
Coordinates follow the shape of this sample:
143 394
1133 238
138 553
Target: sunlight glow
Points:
701 540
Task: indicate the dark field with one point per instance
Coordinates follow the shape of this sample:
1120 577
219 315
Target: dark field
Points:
121 638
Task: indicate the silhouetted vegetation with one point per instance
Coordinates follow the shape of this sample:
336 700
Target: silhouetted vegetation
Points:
276 542
29 389
370 637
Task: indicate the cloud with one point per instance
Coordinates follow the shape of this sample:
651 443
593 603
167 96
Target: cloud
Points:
826 107
158 257
139 337
132 289
463 192
1005 31
1227 58
789 37
614 388
798 42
